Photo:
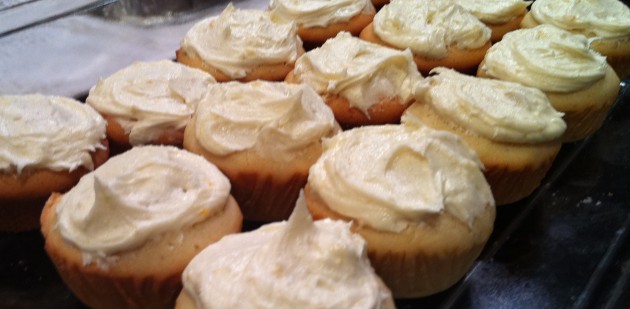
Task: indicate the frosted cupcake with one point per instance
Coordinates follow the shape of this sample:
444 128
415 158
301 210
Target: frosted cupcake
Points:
363 83
319 20
264 136
48 143
291 264
576 79
242 45
149 102
605 22
438 33
501 16
513 129
123 235
416 195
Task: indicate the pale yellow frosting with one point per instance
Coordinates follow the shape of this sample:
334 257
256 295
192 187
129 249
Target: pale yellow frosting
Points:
497 110
276 120
429 28
238 41
291 264
312 13
392 176
48 132
137 196
149 98
362 72
592 18
547 58
495 11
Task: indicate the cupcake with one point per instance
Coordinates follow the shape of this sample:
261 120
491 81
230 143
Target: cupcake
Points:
513 129
264 136
363 83
123 235
576 79
291 264
149 102
501 16
48 143
320 20
416 195
438 33
242 45
605 22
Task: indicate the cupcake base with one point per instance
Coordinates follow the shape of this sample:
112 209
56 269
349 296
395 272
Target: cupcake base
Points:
315 36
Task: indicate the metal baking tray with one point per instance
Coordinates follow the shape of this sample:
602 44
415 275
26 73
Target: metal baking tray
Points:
565 246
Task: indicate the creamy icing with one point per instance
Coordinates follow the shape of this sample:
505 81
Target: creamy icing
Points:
291 264
497 110
312 13
138 195
237 41
149 98
277 120
391 176
592 18
429 28
362 72
48 132
547 58
495 11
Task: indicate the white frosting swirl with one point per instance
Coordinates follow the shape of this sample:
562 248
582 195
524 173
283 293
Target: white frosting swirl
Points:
592 18
237 41
495 11
294 264
429 28
149 98
547 58
391 176
362 72
138 195
497 110
277 120
48 132
312 13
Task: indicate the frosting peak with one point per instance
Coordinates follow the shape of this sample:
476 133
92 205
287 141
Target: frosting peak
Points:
495 11
48 132
311 13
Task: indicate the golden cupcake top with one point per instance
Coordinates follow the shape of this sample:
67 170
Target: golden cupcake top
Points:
237 41
291 264
591 18
390 177
497 110
48 132
547 58
278 121
362 72
149 98
495 11
429 28
312 13
136 197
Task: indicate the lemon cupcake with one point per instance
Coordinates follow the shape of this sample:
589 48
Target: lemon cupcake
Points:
513 129
363 83
123 235
264 136
319 20
48 143
291 264
605 22
501 16
416 195
576 79
149 102
439 33
241 45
